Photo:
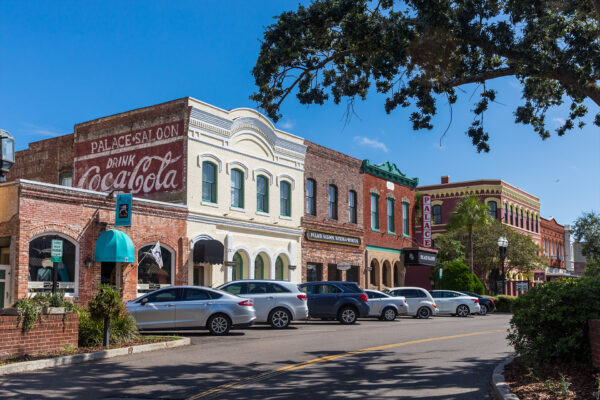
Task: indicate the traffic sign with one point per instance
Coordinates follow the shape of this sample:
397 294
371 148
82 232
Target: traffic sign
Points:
56 251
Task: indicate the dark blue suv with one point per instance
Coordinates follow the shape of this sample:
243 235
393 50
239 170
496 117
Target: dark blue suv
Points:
345 301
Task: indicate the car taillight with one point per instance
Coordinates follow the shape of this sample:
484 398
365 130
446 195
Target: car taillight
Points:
246 303
492 300
363 297
434 306
405 301
476 301
302 297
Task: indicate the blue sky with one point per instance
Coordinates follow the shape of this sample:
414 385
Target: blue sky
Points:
63 63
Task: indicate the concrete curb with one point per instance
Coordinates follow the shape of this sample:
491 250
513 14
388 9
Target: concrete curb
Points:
97 355
500 388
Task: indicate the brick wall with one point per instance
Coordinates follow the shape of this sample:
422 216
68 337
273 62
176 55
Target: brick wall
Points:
595 341
50 334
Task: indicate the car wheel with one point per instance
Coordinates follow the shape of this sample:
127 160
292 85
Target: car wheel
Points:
218 325
280 318
347 315
389 314
424 313
462 311
483 309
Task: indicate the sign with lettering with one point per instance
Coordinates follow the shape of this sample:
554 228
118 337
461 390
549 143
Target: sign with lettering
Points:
329 237
56 251
145 161
420 257
426 206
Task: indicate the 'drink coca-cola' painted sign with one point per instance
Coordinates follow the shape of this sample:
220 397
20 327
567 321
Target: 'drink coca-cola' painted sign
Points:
145 161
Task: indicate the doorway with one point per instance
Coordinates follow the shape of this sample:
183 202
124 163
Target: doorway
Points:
198 276
110 273
4 286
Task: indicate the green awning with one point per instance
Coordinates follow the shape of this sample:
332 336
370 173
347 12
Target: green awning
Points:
114 246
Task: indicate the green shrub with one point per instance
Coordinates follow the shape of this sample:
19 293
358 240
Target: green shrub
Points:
550 322
503 303
106 303
457 276
91 331
476 285
29 311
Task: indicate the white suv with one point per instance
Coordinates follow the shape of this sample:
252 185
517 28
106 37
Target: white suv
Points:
420 302
276 302
455 303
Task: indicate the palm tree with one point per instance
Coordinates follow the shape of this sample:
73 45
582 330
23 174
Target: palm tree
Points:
470 212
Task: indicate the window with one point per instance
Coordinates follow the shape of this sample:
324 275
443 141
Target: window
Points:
493 209
314 272
333 203
374 212
437 214
536 224
329 289
262 194
259 268
527 221
195 294
352 274
238 269
352 206
163 296
209 182
275 288
405 219
505 213
390 215
311 204
237 188
521 218
285 199
279 268
152 276
41 266
511 215
257 287
234 288
66 179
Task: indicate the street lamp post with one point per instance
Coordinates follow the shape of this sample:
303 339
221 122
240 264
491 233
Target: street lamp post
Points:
7 153
502 245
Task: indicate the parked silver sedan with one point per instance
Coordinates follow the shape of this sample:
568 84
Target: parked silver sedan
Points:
185 307
384 306
455 303
276 302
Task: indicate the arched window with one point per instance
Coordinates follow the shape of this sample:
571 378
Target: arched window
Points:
437 214
209 182
333 202
493 209
259 268
41 265
279 268
352 206
522 218
285 197
311 192
151 275
262 194
506 213
237 188
511 215
373 273
385 274
238 268
527 220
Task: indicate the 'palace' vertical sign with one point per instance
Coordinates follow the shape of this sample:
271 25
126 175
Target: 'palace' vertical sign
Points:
426 203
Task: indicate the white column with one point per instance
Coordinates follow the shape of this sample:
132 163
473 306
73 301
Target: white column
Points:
229 255
272 272
251 270
292 257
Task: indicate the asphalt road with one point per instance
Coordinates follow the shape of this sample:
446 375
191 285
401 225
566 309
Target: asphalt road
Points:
439 358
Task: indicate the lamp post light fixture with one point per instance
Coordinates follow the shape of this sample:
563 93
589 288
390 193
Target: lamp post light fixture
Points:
502 245
7 153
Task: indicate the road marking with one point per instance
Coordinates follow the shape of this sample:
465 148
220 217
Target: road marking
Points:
216 391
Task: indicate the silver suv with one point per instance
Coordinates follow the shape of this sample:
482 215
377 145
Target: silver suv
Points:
276 302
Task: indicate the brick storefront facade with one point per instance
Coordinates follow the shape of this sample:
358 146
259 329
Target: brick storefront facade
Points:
553 242
325 167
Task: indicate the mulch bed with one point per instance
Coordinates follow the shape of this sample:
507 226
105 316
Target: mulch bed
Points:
81 350
544 383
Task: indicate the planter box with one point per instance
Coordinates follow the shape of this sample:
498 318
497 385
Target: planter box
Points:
9 311
594 325
53 310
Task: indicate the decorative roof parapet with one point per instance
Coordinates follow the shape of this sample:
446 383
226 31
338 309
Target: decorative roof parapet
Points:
389 171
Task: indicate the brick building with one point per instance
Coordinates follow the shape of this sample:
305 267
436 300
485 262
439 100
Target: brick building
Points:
332 224
388 214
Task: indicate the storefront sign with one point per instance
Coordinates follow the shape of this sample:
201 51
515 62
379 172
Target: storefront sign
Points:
145 161
328 237
426 206
344 266
123 211
419 257
56 251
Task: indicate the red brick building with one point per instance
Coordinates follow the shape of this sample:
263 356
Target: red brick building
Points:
388 216
553 244
333 246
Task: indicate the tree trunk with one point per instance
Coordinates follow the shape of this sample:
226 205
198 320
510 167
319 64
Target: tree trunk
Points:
471 248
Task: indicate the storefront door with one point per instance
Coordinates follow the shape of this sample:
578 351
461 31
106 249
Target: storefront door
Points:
4 286
110 273
198 276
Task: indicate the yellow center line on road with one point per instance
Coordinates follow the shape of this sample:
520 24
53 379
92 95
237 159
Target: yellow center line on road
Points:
294 367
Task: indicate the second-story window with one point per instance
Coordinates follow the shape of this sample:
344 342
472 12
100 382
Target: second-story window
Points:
333 202
527 220
262 194
285 197
493 209
511 215
66 179
209 182
237 188
390 215
522 219
352 206
437 214
405 219
311 191
505 213
374 212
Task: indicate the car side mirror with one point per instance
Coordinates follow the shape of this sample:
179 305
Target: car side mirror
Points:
144 301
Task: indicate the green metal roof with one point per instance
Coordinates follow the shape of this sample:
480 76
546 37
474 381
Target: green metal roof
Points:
390 172
114 246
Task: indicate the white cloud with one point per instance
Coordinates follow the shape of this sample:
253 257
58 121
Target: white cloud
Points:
286 125
439 146
368 142
40 130
558 121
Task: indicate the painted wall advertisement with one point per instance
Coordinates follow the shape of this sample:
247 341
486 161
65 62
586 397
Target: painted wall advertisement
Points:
144 161
426 206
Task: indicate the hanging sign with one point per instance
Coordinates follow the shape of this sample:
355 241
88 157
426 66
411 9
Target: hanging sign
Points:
426 206
123 210
56 251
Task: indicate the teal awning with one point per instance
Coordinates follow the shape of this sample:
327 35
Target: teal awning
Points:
114 246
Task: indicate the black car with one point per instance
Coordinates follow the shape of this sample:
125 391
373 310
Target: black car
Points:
485 303
345 301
